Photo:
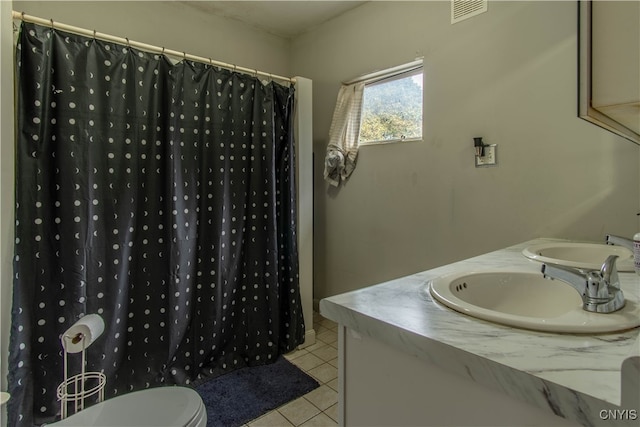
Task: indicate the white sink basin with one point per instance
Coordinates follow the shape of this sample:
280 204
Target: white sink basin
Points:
580 255
527 300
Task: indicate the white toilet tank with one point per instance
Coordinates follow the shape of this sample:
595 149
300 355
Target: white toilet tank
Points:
161 406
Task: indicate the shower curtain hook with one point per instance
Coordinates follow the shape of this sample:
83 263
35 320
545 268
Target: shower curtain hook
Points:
94 34
128 44
51 20
22 16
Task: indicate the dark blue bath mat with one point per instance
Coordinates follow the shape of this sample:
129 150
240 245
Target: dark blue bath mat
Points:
238 397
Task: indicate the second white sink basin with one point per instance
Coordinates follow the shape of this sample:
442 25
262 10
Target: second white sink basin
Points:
527 300
580 255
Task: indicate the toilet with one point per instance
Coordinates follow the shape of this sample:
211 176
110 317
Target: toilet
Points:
161 406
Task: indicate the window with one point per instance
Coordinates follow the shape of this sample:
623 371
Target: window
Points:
382 107
392 106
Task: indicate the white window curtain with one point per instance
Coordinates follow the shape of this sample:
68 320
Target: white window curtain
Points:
342 150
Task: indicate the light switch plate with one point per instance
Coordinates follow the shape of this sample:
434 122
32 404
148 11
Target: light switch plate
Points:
489 158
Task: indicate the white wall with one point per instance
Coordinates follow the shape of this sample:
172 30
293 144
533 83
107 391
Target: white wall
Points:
508 75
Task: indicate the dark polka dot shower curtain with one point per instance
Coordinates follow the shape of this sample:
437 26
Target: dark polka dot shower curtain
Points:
160 196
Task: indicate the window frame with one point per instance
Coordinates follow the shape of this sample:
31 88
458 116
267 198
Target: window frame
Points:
387 76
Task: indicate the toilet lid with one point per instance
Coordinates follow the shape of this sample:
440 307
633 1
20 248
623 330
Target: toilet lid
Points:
162 406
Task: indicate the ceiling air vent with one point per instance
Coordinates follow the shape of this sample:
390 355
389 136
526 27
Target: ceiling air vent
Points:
465 9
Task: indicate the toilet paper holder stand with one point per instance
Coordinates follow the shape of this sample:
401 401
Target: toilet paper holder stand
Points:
76 389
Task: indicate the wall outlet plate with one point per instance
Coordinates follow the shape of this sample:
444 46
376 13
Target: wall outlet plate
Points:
489 158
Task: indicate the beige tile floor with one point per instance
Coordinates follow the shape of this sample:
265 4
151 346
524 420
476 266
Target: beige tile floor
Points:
320 406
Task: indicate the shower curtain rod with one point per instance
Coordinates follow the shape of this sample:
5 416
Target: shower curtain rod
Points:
143 46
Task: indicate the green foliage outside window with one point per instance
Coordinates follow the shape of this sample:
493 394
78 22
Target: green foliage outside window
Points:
392 110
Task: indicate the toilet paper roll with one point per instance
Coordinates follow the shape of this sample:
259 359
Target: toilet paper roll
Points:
90 327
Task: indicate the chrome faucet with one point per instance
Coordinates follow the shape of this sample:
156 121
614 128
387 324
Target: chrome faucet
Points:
599 289
619 241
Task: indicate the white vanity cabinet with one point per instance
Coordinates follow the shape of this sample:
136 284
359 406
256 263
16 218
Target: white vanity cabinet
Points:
406 360
384 386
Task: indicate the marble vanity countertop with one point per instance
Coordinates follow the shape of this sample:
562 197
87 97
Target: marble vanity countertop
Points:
574 376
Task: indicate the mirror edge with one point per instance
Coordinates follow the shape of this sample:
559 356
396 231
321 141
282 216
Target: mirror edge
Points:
585 110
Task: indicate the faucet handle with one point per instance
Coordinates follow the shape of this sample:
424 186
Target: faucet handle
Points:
611 282
609 271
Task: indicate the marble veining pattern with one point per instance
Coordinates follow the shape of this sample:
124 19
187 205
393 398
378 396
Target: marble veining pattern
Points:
575 376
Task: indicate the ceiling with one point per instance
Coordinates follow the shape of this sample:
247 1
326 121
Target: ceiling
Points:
286 19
